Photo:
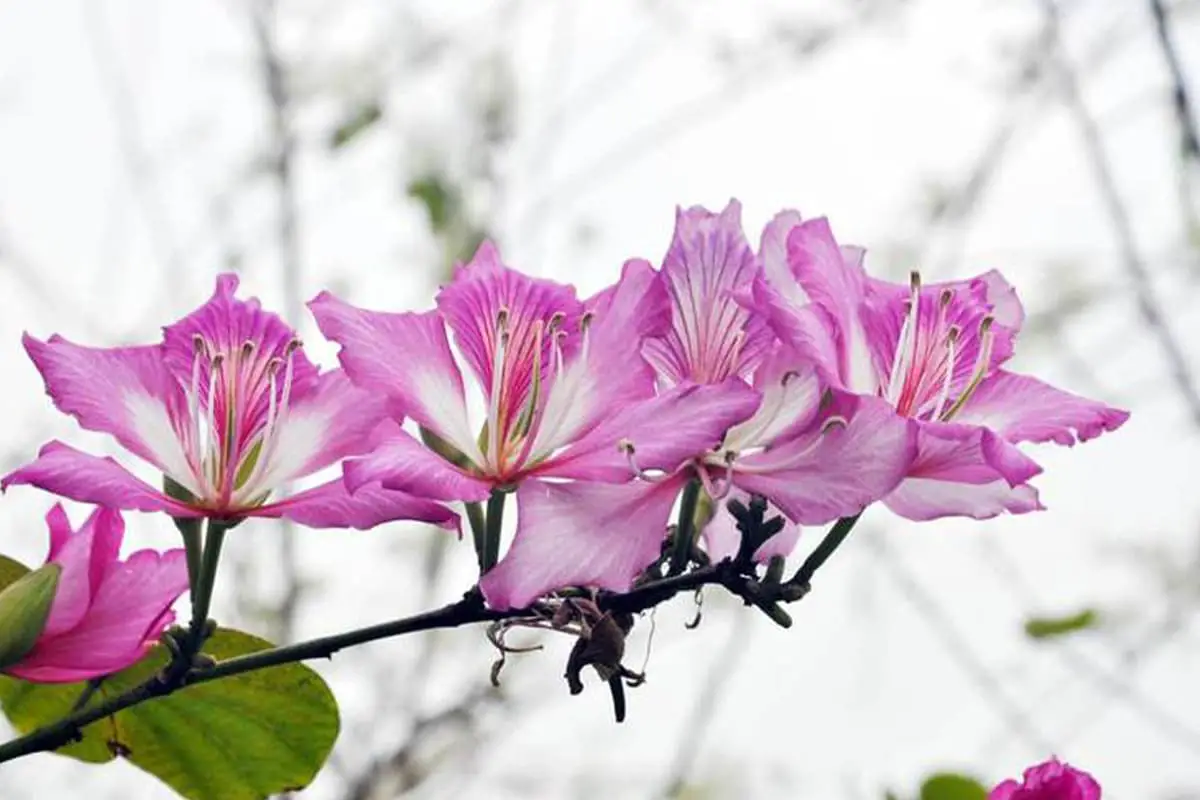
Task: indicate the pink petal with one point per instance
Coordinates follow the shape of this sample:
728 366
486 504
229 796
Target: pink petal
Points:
1004 791
714 337
817 477
481 293
126 613
225 323
833 278
79 578
968 454
791 398
772 252
922 499
401 463
580 534
331 505
125 391
1024 409
808 330
611 373
964 470
67 472
722 537
680 424
334 420
406 357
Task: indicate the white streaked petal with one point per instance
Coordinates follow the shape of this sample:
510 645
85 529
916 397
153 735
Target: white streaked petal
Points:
153 425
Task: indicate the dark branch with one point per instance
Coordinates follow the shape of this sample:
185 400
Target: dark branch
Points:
739 576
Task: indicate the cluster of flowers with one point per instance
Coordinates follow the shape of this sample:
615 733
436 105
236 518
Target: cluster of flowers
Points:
788 373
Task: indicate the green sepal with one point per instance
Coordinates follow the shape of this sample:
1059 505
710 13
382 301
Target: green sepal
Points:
24 609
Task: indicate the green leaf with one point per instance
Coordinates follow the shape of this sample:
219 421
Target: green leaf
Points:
355 123
441 201
948 786
247 736
1040 628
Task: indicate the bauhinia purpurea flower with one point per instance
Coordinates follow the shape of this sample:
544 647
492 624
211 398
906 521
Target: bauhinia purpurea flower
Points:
229 409
106 611
935 354
561 385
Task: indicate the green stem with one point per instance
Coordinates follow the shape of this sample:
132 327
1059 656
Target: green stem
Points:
478 530
841 529
495 523
685 530
193 545
202 590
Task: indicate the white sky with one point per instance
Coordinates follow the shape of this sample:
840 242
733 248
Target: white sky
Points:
128 174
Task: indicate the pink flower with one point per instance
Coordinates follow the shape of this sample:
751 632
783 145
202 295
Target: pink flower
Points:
564 395
1052 780
229 409
815 455
814 461
934 353
106 612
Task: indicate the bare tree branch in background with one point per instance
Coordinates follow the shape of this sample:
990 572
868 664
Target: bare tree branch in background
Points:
1148 304
720 677
283 148
972 665
1181 101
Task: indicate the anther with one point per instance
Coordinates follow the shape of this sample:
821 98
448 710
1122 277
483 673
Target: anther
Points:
199 345
247 348
627 447
556 319
502 319
835 422
914 280
946 296
586 320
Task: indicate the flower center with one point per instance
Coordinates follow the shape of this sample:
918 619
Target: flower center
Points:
237 404
520 379
924 381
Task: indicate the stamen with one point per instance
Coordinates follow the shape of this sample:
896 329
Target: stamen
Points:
905 344
951 341
585 321
834 422
982 364
247 348
199 345
556 319
494 434
710 485
502 319
627 447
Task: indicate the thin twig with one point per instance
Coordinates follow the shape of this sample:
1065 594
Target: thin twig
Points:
739 579
1148 304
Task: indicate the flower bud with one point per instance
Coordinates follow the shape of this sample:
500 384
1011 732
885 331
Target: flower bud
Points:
24 609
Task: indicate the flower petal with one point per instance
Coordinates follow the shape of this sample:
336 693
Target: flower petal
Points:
821 475
225 324
1024 409
485 296
772 252
923 499
665 431
126 615
401 463
334 420
580 534
127 392
713 337
833 278
722 537
964 470
67 472
331 505
610 372
405 356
